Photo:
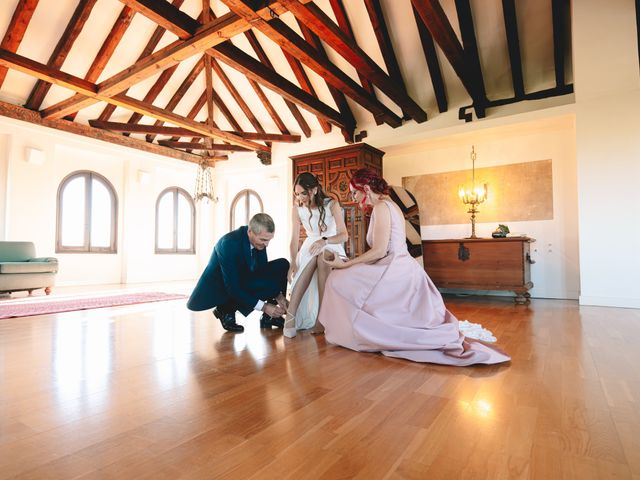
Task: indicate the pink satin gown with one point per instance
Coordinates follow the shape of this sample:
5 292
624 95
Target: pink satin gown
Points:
393 307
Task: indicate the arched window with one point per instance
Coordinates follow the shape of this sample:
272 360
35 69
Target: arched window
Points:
175 222
244 206
87 214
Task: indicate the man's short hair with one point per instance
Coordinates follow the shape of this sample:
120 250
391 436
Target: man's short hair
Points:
260 222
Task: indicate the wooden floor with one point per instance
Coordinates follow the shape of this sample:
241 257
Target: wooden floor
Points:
155 391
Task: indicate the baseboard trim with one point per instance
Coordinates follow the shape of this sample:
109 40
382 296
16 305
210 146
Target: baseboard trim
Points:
621 302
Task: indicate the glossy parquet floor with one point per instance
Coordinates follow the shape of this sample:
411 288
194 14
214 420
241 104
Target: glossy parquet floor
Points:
155 391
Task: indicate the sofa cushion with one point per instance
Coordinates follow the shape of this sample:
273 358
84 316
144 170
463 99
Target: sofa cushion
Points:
16 251
28 267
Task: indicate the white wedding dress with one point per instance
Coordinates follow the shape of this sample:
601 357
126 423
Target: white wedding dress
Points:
307 311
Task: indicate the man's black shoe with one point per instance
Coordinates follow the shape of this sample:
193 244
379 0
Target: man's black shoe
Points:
228 321
267 322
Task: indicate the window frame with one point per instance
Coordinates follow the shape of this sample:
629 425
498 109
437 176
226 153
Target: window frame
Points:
247 192
86 247
175 250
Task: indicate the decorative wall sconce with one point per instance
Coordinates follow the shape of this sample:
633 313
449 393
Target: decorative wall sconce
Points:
144 177
34 156
204 183
473 195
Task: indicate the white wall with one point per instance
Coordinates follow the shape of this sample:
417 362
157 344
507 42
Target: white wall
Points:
28 203
608 151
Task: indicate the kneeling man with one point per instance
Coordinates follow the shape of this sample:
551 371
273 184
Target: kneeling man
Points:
239 277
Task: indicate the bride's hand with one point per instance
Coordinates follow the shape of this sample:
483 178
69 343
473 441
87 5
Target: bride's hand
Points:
316 247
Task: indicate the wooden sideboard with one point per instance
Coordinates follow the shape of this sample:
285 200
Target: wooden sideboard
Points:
481 264
334 168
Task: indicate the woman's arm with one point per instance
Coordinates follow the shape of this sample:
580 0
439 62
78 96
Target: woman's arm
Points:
381 219
341 235
295 241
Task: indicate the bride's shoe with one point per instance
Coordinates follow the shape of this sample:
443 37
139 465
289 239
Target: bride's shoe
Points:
289 329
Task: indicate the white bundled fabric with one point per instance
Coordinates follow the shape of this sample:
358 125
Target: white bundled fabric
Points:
475 330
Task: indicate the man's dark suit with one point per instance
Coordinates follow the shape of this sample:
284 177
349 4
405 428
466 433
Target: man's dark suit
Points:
233 281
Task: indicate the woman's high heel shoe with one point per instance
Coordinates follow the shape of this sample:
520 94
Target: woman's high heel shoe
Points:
289 329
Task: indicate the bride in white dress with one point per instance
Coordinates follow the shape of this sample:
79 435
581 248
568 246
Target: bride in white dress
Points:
323 222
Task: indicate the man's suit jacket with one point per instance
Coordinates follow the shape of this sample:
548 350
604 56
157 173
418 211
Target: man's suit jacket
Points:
227 273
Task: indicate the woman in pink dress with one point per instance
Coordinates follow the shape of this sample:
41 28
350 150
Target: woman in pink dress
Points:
383 301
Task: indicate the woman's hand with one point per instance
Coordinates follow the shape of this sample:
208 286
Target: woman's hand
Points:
333 260
317 246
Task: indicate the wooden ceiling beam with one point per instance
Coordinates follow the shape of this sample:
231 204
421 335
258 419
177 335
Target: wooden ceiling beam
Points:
376 15
222 147
183 132
170 117
434 18
513 44
139 128
560 13
252 68
180 92
312 16
246 64
284 36
345 25
38 70
208 76
16 29
305 84
154 91
472 58
193 113
223 108
109 45
236 96
337 95
146 51
433 63
43 72
61 50
20 113
293 108
269 137
213 33
182 25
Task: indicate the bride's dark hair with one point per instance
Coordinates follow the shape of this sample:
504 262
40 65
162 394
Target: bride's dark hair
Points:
309 181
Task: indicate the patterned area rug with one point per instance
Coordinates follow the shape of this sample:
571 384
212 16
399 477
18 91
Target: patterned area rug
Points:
43 306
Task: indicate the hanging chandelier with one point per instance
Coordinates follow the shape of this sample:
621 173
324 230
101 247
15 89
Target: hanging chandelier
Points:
204 183
473 195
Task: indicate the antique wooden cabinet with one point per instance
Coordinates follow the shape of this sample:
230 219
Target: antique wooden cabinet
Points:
333 168
481 264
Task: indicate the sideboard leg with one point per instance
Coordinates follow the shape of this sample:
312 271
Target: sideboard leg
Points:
523 297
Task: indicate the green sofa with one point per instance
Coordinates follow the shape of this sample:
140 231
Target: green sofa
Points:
20 269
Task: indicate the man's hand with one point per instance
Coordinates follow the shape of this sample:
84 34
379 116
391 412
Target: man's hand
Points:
273 310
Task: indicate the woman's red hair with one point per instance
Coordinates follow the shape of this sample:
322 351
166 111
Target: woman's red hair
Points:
368 176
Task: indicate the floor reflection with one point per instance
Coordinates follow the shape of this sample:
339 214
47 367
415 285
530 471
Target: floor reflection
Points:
172 339
82 357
